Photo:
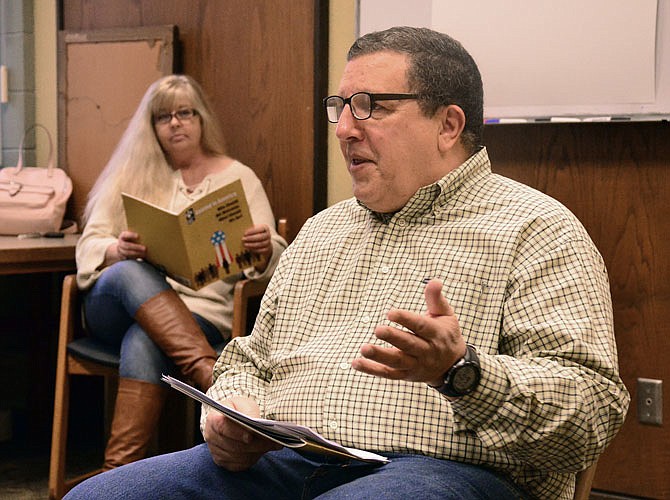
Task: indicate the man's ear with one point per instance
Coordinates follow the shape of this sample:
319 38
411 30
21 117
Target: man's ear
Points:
452 123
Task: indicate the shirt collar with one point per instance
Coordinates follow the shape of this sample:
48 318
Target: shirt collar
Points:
195 192
432 197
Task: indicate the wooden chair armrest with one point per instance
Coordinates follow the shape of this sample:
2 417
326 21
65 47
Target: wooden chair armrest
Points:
282 228
245 289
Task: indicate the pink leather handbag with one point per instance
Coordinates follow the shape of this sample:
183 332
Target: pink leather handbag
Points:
33 199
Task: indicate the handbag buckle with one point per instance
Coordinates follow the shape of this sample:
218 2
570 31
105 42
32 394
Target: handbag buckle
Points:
14 187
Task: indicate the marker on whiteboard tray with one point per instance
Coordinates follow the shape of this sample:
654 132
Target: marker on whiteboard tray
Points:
564 119
607 119
598 119
505 120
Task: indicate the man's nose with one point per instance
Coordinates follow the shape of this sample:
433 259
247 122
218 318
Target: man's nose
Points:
347 125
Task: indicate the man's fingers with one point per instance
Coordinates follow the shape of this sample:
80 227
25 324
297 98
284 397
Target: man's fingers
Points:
389 356
371 367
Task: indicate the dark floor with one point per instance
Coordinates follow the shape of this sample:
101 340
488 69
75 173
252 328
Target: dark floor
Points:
28 326
23 473
26 443
28 336
24 470
24 458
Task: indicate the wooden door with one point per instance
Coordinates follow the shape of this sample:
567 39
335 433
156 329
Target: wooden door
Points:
264 66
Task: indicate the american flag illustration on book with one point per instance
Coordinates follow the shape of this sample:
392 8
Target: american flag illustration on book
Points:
223 257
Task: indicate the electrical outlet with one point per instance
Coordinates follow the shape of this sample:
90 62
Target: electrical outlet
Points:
650 401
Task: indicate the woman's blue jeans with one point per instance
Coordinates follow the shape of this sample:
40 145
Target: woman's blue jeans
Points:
110 307
284 474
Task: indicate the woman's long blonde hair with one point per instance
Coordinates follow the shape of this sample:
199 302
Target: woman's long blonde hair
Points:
138 164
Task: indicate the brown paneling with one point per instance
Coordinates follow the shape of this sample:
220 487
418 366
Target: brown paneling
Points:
616 179
256 60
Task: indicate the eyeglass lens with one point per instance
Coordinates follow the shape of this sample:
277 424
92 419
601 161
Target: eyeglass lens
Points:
180 114
360 104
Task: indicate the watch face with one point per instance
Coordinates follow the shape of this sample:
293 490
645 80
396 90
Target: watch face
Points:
465 378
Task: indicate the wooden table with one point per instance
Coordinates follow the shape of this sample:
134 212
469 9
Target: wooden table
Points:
37 255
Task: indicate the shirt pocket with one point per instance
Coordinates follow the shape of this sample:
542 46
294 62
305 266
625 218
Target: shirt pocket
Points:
478 307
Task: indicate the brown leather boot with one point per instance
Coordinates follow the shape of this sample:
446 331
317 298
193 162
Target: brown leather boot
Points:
136 414
169 323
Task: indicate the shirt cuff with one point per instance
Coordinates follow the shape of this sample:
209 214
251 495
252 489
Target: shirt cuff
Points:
475 409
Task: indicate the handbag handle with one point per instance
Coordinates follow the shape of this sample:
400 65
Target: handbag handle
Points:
50 163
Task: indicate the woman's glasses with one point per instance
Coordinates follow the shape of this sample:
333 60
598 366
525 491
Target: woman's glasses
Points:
182 115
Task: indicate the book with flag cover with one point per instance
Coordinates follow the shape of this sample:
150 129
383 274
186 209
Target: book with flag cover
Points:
201 243
287 434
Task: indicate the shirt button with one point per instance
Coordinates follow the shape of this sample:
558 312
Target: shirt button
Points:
385 269
365 319
402 222
332 424
344 365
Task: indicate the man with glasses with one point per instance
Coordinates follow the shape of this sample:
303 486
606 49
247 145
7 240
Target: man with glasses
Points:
455 321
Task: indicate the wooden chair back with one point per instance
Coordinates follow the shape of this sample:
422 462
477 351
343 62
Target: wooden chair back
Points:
79 355
584 482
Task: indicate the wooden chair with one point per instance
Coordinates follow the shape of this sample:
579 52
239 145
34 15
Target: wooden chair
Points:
584 482
78 354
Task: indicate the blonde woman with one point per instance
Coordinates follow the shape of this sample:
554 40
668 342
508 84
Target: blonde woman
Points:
171 154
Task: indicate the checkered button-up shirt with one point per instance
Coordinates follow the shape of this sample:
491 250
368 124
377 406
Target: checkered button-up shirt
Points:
530 291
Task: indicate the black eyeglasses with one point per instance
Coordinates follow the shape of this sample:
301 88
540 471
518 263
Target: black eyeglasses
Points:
183 115
360 103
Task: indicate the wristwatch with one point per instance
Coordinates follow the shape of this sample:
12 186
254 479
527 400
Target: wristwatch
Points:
463 377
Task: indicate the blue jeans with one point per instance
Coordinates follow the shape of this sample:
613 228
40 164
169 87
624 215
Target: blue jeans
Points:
285 474
110 307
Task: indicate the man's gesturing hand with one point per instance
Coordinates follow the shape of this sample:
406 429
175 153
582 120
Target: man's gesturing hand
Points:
432 345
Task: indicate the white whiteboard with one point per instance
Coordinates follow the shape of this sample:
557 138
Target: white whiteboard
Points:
544 60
